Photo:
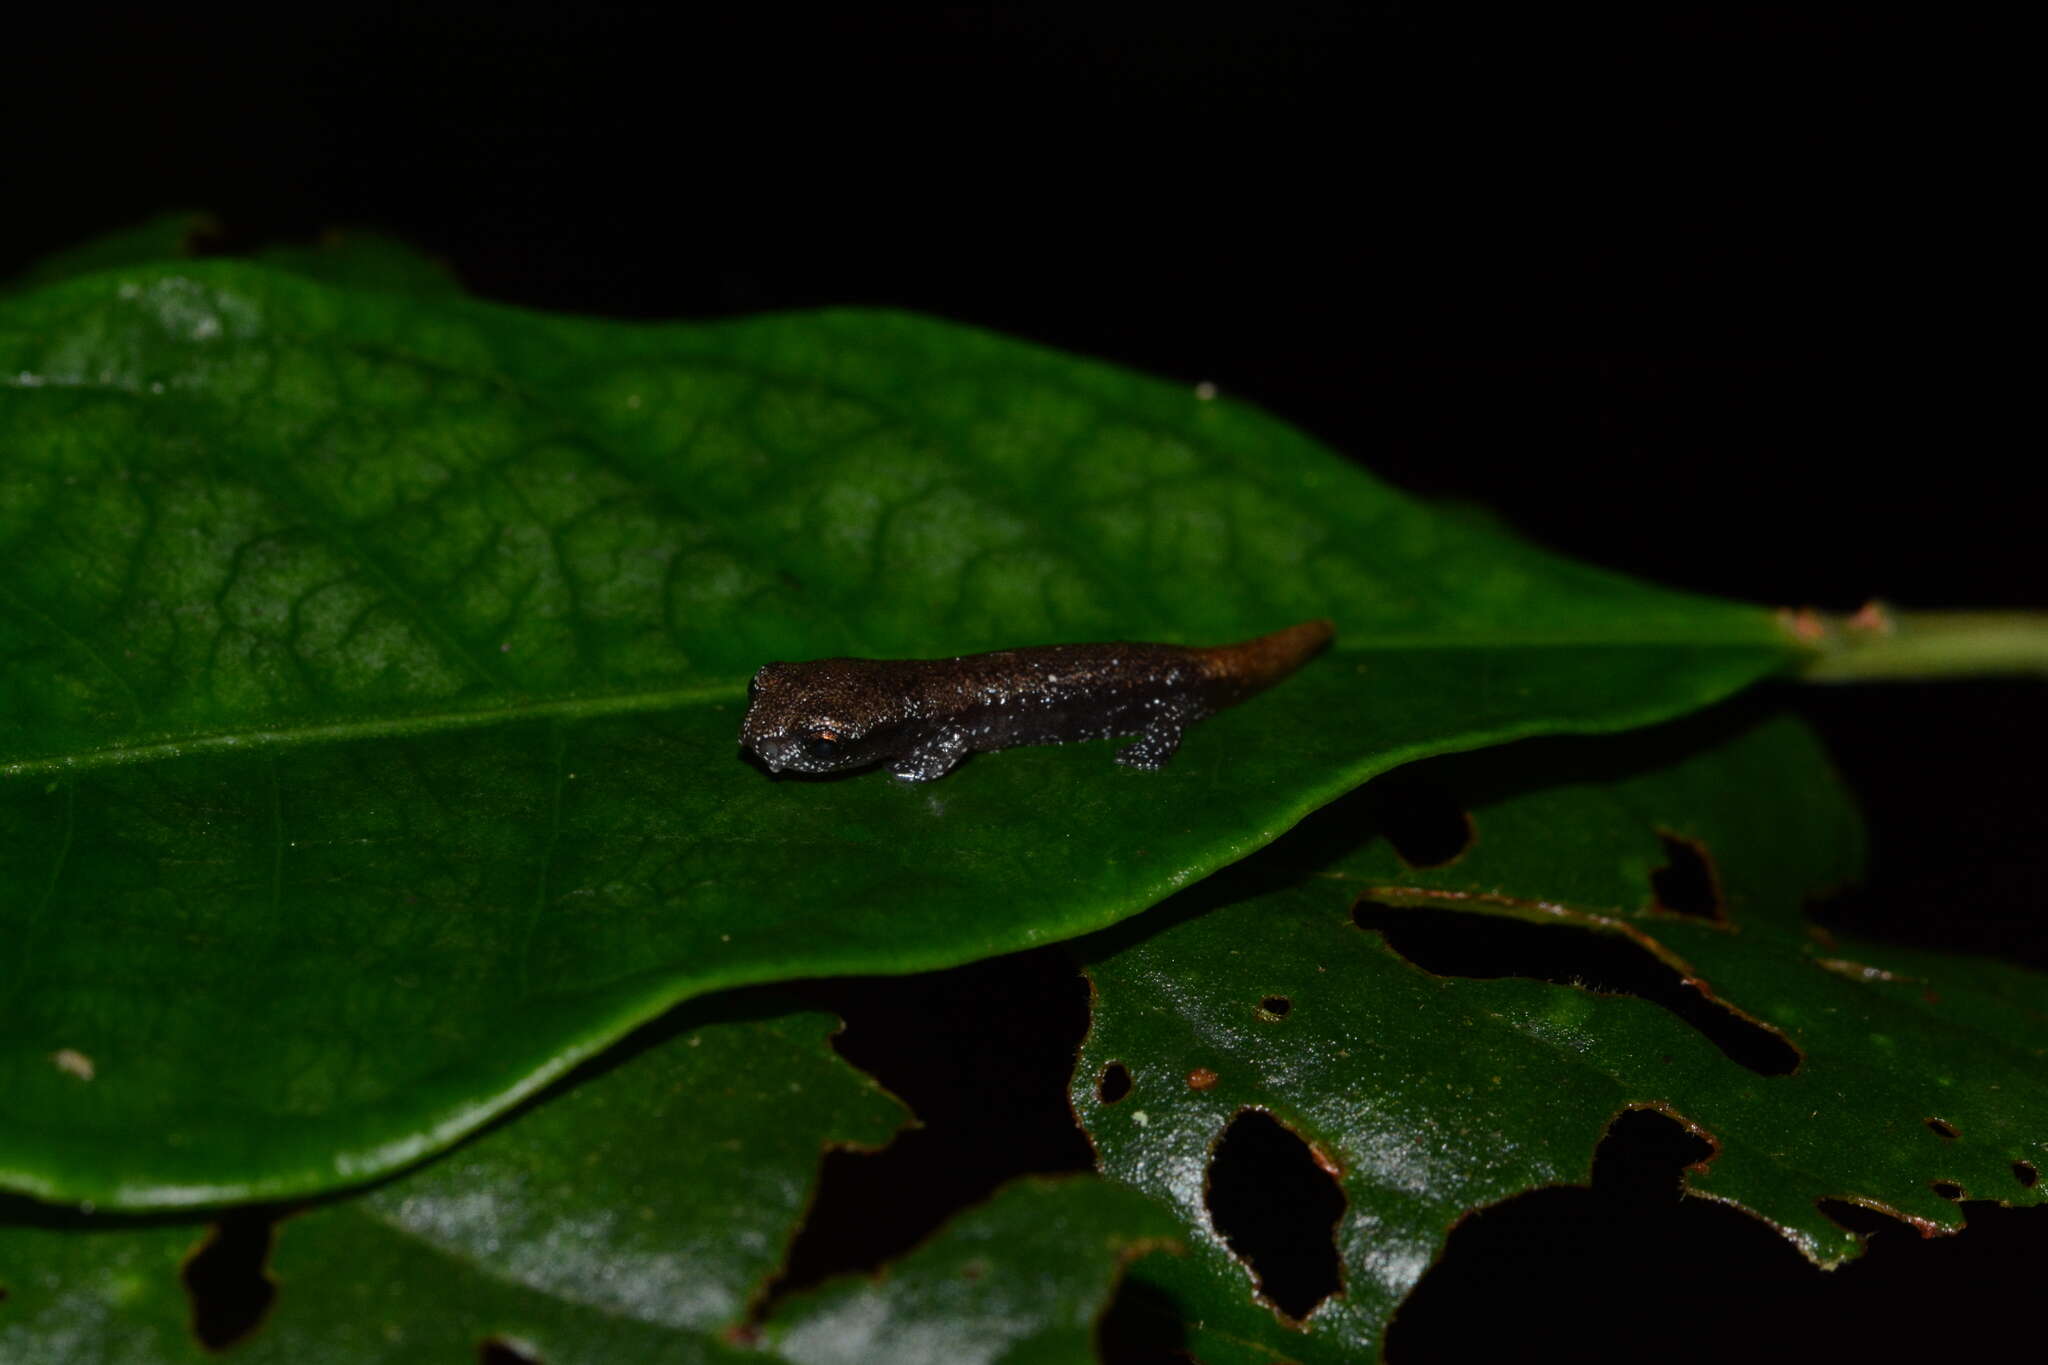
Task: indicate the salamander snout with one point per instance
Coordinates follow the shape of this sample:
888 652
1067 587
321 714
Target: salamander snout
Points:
807 749
817 717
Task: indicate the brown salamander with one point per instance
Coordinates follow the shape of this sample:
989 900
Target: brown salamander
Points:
922 716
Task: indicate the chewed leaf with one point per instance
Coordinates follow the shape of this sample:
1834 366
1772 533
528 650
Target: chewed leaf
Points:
639 1216
639 1213
1458 1033
1025 1277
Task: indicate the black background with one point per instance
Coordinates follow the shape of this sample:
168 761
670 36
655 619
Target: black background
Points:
1725 296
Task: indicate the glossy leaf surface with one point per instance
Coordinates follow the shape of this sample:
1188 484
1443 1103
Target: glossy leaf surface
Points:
371 661
1022 1279
636 1217
1439 1038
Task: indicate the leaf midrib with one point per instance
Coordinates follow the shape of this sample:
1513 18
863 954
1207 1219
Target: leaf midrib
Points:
259 739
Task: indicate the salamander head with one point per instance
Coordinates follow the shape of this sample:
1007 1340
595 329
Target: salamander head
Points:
824 716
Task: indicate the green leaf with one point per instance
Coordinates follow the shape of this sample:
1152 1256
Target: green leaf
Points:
1429 1093
1024 1278
636 1217
78 1297
371 665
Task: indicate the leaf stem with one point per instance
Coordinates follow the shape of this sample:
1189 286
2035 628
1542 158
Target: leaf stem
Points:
1882 644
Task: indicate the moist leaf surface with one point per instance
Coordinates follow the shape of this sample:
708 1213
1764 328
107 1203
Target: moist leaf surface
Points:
638 1216
635 1216
371 660
1471 1029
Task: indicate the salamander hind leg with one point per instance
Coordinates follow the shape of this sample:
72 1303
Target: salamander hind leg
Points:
933 758
1155 745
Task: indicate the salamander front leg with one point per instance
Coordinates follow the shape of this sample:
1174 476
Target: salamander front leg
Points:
933 758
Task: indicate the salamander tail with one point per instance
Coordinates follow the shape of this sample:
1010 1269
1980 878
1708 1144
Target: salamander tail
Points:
1260 663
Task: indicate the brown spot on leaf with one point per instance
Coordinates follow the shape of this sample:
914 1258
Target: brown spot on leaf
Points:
1803 624
1872 619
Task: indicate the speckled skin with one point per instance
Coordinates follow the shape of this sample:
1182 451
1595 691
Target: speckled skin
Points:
920 717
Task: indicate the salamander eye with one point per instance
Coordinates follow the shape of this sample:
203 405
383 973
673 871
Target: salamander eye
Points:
822 744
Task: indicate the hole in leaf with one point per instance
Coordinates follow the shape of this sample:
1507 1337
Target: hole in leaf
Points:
1460 943
1940 1129
1643 1157
983 1055
1422 821
1275 1007
1278 1209
1947 1189
226 1279
1686 884
1556 1245
2024 1172
498 1351
1115 1083
1603 1274
1426 826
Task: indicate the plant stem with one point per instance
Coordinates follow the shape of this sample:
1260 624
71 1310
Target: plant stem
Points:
1882 644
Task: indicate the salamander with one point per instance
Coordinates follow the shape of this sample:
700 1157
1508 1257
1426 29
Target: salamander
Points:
920 717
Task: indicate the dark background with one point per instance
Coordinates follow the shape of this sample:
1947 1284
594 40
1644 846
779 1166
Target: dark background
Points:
1721 295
